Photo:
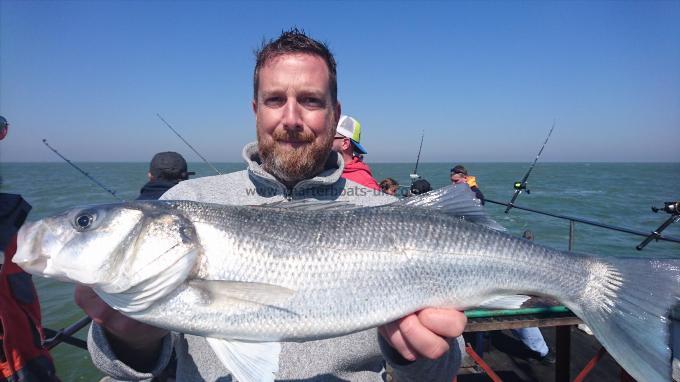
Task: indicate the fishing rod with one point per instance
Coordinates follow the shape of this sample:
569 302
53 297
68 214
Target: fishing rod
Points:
88 176
671 239
415 175
66 335
187 143
522 185
672 208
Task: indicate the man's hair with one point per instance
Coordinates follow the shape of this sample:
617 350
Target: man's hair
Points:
291 42
459 170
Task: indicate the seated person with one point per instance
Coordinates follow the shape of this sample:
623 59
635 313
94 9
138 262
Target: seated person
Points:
420 186
460 175
389 186
165 171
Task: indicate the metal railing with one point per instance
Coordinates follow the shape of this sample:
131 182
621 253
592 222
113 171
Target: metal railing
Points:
573 219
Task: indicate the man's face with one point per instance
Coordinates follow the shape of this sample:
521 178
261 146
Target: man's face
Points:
341 144
295 116
457 178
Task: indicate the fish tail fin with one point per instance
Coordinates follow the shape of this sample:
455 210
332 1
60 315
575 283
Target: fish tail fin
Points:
627 304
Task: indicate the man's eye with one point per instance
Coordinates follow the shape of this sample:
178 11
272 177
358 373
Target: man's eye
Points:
313 102
274 101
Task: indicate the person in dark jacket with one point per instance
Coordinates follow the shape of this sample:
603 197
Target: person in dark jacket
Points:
165 171
460 175
420 186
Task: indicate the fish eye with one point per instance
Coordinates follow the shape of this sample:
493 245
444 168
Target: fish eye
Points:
84 221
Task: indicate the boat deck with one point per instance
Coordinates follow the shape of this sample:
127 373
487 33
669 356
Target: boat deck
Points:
513 362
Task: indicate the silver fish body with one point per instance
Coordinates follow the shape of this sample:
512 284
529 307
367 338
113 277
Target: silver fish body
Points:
353 270
275 274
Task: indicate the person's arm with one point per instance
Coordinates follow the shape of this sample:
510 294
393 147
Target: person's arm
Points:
418 345
478 194
120 346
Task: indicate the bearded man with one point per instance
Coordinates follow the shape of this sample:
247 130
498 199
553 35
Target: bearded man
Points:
296 113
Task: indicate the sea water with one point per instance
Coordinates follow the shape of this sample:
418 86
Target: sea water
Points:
618 194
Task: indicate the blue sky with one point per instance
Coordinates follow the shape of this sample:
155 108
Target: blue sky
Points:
484 80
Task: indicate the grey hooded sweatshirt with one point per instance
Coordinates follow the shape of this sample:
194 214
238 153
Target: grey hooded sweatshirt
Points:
355 357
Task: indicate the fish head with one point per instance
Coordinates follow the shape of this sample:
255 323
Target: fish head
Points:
114 247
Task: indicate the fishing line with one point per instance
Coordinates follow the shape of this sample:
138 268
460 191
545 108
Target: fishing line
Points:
65 335
88 176
187 143
522 185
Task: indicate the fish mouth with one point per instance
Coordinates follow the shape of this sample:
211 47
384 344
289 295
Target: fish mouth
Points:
26 253
29 255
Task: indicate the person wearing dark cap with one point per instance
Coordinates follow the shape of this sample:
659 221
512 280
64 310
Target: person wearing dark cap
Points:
20 358
420 186
346 143
165 171
460 175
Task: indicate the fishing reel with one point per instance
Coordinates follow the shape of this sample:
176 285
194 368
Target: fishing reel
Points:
672 208
519 186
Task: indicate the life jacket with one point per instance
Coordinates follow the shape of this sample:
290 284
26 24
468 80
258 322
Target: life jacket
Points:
471 181
22 357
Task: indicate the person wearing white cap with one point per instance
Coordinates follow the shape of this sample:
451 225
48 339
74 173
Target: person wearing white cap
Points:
346 143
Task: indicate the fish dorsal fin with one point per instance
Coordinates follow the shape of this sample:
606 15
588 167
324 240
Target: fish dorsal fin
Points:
248 361
505 302
311 205
455 200
250 293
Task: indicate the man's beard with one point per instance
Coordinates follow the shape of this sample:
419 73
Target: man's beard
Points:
289 164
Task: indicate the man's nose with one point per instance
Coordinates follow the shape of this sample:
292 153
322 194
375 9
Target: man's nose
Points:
292 117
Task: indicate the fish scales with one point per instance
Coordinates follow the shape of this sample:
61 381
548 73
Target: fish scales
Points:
348 273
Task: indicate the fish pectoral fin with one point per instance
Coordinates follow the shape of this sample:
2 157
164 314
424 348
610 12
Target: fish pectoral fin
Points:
260 294
504 302
248 361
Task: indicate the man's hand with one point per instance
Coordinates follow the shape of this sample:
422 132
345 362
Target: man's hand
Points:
135 343
422 334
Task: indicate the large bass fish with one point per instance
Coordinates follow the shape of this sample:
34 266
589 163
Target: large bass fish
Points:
248 277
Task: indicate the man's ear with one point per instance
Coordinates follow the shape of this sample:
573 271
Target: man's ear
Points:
255 106
346 144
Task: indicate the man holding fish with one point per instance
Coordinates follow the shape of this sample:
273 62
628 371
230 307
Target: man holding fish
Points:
296 111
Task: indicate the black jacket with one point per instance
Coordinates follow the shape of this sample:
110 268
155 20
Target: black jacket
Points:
154 189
